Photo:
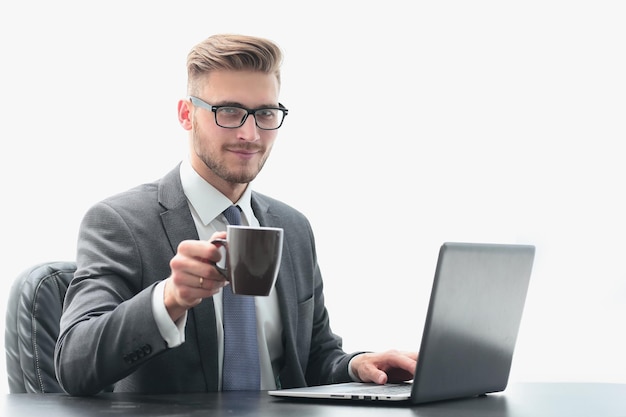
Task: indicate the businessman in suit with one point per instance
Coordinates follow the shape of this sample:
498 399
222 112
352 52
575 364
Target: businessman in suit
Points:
144 311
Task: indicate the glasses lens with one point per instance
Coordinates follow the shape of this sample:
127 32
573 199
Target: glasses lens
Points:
269 118
230 116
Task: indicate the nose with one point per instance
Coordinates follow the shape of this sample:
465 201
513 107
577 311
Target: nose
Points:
249 131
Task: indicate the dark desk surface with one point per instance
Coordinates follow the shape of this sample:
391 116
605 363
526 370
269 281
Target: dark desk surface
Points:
541 399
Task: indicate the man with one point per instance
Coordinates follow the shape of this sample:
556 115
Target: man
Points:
144 312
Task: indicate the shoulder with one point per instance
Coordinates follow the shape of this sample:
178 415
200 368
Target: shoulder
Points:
137 198
147 199
265 205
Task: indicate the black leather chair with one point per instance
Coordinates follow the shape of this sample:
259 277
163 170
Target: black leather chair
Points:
33 312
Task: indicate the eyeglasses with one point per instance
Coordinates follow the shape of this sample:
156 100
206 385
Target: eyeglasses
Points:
231 117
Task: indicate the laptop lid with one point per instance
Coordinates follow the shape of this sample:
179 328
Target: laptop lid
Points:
472 322
473 319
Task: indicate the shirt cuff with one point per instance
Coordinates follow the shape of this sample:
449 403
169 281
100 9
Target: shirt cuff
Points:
352 375
172 332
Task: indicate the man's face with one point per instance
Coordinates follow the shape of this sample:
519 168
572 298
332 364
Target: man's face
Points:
232 156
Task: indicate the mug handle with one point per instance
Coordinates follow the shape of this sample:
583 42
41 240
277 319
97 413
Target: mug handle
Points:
221 243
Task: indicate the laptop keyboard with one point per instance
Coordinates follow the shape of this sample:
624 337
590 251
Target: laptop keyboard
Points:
388 389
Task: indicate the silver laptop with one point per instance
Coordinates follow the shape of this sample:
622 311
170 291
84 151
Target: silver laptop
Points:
472 322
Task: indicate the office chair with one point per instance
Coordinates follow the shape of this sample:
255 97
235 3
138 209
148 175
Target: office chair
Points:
33 312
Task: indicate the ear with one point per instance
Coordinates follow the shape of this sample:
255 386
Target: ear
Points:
184 114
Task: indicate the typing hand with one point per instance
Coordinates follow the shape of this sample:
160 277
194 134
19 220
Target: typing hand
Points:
387 367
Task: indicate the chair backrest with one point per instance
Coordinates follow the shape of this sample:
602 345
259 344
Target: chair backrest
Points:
34 309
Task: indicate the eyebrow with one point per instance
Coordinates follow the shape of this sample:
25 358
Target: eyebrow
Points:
237 104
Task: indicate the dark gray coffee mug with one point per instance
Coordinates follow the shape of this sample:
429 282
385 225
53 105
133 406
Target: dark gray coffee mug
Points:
252 258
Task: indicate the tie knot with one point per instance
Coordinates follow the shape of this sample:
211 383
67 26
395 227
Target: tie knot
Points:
233 215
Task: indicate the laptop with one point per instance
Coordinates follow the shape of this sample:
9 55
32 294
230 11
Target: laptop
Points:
469 336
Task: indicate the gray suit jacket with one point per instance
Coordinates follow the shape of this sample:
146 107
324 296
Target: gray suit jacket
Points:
108 336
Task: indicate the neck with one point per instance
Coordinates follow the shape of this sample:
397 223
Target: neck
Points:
232 190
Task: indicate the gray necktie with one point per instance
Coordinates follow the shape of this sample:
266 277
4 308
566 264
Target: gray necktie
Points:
241 369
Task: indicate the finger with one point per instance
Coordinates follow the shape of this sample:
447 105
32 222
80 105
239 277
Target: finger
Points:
405 361
400 366
370 373
218 235
195 260
380 378
213 282
199 249
191 289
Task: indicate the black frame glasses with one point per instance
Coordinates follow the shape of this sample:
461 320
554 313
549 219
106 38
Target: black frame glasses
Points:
261 115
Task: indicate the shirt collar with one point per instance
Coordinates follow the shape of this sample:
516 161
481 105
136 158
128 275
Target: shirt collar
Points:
207 201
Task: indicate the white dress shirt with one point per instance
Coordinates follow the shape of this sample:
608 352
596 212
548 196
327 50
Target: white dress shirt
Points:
207 204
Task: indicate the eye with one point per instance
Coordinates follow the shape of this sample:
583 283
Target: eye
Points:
265 114
230 111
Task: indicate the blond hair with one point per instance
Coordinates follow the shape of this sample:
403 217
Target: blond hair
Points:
232 52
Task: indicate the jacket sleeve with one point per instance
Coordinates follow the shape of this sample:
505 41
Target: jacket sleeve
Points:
107 329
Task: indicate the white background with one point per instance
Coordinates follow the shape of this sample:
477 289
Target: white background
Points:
485 121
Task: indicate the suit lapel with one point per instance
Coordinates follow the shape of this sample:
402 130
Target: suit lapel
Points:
179 226
285 288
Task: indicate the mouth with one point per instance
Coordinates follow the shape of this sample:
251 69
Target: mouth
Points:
245 152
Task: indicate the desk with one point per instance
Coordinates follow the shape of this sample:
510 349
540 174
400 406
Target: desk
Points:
537 399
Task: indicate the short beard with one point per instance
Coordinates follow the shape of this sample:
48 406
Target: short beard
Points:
222 170
231 176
